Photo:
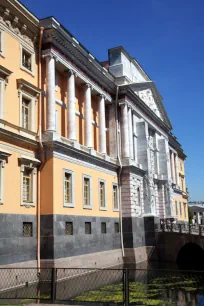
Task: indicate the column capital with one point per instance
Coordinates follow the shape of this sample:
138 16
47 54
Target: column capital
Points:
49 55
101 96
88 85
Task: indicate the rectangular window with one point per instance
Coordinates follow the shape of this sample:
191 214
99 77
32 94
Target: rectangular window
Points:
116 225
68 187
87 191
27 229
88 228
26 59
26 113
68 177
115 197
180 204
69 228
102 192
27 185
103 227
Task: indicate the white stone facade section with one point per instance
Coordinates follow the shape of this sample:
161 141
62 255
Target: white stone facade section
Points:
130 133
71 99
173 167
112 131
124 130
177 169
88 117
147 96
102 125
135 137
131 205
50 75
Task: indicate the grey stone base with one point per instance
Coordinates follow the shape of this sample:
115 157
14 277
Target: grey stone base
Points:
14 247
55 244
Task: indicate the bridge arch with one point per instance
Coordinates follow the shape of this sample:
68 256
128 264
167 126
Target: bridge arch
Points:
191 256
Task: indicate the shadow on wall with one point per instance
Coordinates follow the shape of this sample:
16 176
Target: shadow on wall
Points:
191 256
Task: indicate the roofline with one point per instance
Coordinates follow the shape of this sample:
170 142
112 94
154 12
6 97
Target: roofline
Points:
132 59
80 44
19 3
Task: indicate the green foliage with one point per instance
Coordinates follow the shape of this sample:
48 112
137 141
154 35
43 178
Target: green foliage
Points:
141 293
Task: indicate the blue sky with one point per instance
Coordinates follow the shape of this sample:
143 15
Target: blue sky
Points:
167 39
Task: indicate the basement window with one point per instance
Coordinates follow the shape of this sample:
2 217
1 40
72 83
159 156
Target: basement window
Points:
27 229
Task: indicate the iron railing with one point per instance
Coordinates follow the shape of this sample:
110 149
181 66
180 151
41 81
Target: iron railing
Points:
181 228
100 286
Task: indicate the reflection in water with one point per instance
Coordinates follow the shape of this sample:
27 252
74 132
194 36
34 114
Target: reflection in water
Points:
178 287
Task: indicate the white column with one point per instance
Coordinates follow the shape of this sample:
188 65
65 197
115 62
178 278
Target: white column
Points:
135 137
112 131
50 76
87 117
102 125
198 217
71 117
177 169
124 130
173 167
130 133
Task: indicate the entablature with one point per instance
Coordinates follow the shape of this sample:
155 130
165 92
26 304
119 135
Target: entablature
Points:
70 66
56 36
19 22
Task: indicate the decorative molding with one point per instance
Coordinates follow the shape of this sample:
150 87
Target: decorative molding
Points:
78 73
26 86
19 30
5 73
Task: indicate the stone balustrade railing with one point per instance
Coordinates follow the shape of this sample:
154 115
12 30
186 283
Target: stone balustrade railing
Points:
181 228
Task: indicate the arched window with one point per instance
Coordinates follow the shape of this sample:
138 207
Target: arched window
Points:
138 197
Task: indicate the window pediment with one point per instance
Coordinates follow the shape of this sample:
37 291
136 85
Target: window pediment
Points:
30 162
28 87
4 157
4 73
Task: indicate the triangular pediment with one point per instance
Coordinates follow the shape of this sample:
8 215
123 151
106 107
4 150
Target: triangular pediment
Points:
147 96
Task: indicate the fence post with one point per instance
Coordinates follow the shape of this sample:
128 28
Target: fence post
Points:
126 286
53 285
200 230
189 228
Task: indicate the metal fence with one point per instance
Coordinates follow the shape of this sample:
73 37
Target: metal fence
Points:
101 286
192 229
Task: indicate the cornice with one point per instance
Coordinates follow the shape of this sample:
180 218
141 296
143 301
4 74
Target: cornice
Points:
70 66
70 48
21 140
144 110
11 21
76 154
127 90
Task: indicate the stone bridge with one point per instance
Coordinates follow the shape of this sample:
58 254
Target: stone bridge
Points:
179 243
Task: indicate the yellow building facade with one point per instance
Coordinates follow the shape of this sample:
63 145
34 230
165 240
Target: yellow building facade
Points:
84 149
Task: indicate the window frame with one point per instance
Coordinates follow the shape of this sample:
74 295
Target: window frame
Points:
72 203
72 228
30 163
105 195
30 223
31 126
3 160
105 227
2 37
85 176
32 54
117 200
89 223
118 225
